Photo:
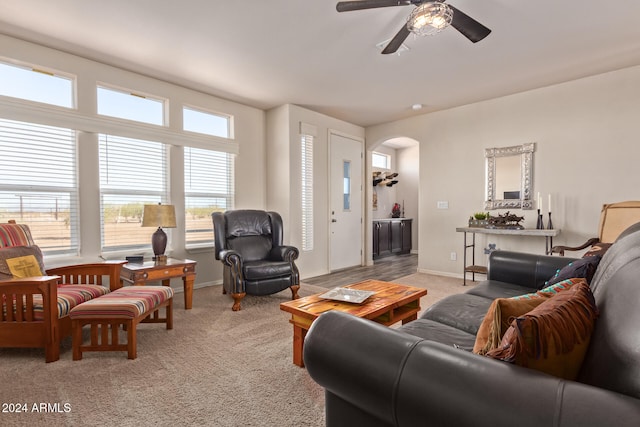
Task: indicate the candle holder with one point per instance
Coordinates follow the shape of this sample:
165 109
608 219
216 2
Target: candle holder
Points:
539 225
550 224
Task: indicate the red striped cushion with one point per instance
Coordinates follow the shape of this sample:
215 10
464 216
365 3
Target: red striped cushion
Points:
124 303
69 296
15 235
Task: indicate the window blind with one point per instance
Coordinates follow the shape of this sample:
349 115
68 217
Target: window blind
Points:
38 184
208 187
132 173
307 191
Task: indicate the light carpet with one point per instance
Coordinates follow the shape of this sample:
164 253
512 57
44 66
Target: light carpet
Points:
215 368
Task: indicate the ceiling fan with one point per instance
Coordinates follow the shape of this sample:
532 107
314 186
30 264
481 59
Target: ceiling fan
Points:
428 17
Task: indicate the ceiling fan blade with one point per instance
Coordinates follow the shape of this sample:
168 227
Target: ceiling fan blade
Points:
468 27
346 6
397 40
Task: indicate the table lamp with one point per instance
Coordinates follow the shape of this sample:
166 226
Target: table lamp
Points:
159 216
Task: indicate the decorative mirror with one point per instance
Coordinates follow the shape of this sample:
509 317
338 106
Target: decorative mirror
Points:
509 177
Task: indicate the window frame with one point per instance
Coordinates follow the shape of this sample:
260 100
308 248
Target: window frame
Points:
379 154
227 117
164 102
73 79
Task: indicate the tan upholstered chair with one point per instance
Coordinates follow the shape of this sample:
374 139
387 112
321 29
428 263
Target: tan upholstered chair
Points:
614 219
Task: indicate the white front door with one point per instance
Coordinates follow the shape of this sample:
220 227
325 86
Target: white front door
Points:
346 202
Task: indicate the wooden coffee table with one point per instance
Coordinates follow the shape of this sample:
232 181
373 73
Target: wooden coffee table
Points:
391 303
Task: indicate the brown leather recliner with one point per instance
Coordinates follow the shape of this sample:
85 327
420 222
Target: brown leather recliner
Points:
249 244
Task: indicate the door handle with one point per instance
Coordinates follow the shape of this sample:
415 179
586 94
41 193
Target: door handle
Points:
334 220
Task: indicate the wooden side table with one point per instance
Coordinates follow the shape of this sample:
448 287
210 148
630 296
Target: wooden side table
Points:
140 273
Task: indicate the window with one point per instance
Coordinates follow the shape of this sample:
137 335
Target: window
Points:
379 160
206 123
38 184
130 106
208 188
132 174
346 186
36 85
307 192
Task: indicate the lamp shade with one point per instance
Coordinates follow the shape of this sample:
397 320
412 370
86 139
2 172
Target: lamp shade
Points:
159 216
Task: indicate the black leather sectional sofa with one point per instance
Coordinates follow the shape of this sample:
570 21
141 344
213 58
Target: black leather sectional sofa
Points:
424 374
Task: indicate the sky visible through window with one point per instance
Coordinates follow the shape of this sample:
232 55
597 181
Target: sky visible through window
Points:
20 139
24 83
43 86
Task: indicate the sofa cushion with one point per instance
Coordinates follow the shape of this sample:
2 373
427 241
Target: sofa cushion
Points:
124 303
255 270
434 331
554 336
252 248
503 310
493 289
499 316
15 235
584 268
461 311
69 296
15 253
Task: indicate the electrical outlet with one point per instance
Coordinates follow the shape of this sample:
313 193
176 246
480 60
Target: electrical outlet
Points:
454 256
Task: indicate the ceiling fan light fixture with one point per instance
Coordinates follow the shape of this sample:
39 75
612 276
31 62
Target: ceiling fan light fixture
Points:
429 18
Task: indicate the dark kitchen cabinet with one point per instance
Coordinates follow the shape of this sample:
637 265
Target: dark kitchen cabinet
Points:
391 237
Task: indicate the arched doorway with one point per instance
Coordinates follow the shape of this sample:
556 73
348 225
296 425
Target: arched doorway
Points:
403 158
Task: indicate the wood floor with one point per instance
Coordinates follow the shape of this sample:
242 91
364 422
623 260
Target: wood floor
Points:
386 269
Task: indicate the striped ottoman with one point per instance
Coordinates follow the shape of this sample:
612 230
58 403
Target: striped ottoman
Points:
126 306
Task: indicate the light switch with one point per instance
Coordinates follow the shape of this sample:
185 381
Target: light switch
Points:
443 205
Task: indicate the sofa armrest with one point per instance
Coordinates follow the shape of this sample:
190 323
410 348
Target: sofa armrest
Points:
398 379
524 269
17 297
358 360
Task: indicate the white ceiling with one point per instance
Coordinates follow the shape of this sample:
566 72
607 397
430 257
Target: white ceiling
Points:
267 53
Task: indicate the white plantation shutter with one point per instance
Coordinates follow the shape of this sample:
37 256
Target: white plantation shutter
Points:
38 184
208 188
132 173
307 191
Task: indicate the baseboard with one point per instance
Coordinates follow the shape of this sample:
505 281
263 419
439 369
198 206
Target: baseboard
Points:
180 288
441 273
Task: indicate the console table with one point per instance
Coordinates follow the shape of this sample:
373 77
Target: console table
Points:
526 232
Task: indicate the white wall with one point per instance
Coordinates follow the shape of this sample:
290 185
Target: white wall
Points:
386 195
249 134
408 189
586 133
284 189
